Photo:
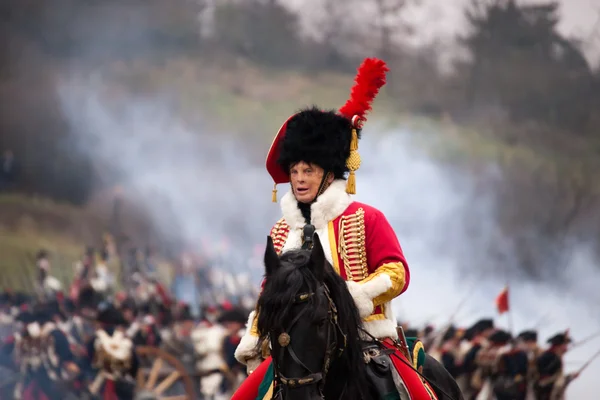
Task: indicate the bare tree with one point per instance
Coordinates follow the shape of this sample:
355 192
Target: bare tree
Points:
389 23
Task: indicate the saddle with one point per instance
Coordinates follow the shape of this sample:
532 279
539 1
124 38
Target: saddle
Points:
383 377
379 371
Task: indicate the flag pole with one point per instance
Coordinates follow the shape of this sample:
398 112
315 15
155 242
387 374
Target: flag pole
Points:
509 313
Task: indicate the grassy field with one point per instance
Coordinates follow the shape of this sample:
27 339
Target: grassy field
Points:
28 225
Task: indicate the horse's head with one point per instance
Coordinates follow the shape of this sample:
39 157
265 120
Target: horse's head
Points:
300 319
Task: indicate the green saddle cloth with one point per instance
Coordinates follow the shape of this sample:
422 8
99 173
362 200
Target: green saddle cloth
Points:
417 351
266 383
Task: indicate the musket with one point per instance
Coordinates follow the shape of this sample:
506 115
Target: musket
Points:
587 364
560 391
584 341
437 341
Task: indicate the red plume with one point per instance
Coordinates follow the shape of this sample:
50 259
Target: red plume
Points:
369 79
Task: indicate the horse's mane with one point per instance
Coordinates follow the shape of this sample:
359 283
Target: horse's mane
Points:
278 296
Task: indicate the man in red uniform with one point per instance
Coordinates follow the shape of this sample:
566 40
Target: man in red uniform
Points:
316 152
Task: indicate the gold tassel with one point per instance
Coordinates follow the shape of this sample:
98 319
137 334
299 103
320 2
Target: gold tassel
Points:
354 141
351 184
353 163
274 197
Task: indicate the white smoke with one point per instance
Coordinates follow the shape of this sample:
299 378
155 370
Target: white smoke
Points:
445 224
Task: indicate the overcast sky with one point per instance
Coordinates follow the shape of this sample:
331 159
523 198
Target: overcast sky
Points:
445 18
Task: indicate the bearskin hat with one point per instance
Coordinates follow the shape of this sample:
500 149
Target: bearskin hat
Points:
327 138
317 137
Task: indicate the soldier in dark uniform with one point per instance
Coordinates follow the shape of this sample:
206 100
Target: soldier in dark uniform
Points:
233 321
510 372
177 340
44 356
477 336
552 383
487 360
112 356
450 357
527 341
148 333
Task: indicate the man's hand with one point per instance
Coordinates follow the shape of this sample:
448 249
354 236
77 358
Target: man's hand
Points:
72 368
574 375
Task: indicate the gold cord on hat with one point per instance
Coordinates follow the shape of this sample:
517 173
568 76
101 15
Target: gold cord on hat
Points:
353 160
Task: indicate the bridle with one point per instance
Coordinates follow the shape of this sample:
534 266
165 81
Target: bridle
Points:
334 347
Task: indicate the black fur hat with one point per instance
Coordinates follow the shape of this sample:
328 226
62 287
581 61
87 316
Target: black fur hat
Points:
317 137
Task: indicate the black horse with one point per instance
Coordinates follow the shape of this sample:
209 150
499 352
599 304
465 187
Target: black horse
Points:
313 326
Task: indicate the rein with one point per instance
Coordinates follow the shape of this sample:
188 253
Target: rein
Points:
284 341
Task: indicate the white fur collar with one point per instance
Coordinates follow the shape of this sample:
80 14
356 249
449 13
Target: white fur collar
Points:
329 205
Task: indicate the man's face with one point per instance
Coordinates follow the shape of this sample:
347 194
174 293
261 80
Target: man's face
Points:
306 179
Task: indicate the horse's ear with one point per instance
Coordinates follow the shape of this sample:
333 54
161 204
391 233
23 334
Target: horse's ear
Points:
317 258
271 257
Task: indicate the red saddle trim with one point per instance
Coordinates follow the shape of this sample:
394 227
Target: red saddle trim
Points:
417 388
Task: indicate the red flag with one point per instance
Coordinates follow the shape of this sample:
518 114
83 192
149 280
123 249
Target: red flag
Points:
502 301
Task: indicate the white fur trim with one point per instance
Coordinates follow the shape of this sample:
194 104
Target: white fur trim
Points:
291 213
248 347
364 293
363 302
329 205
381 329
377 286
